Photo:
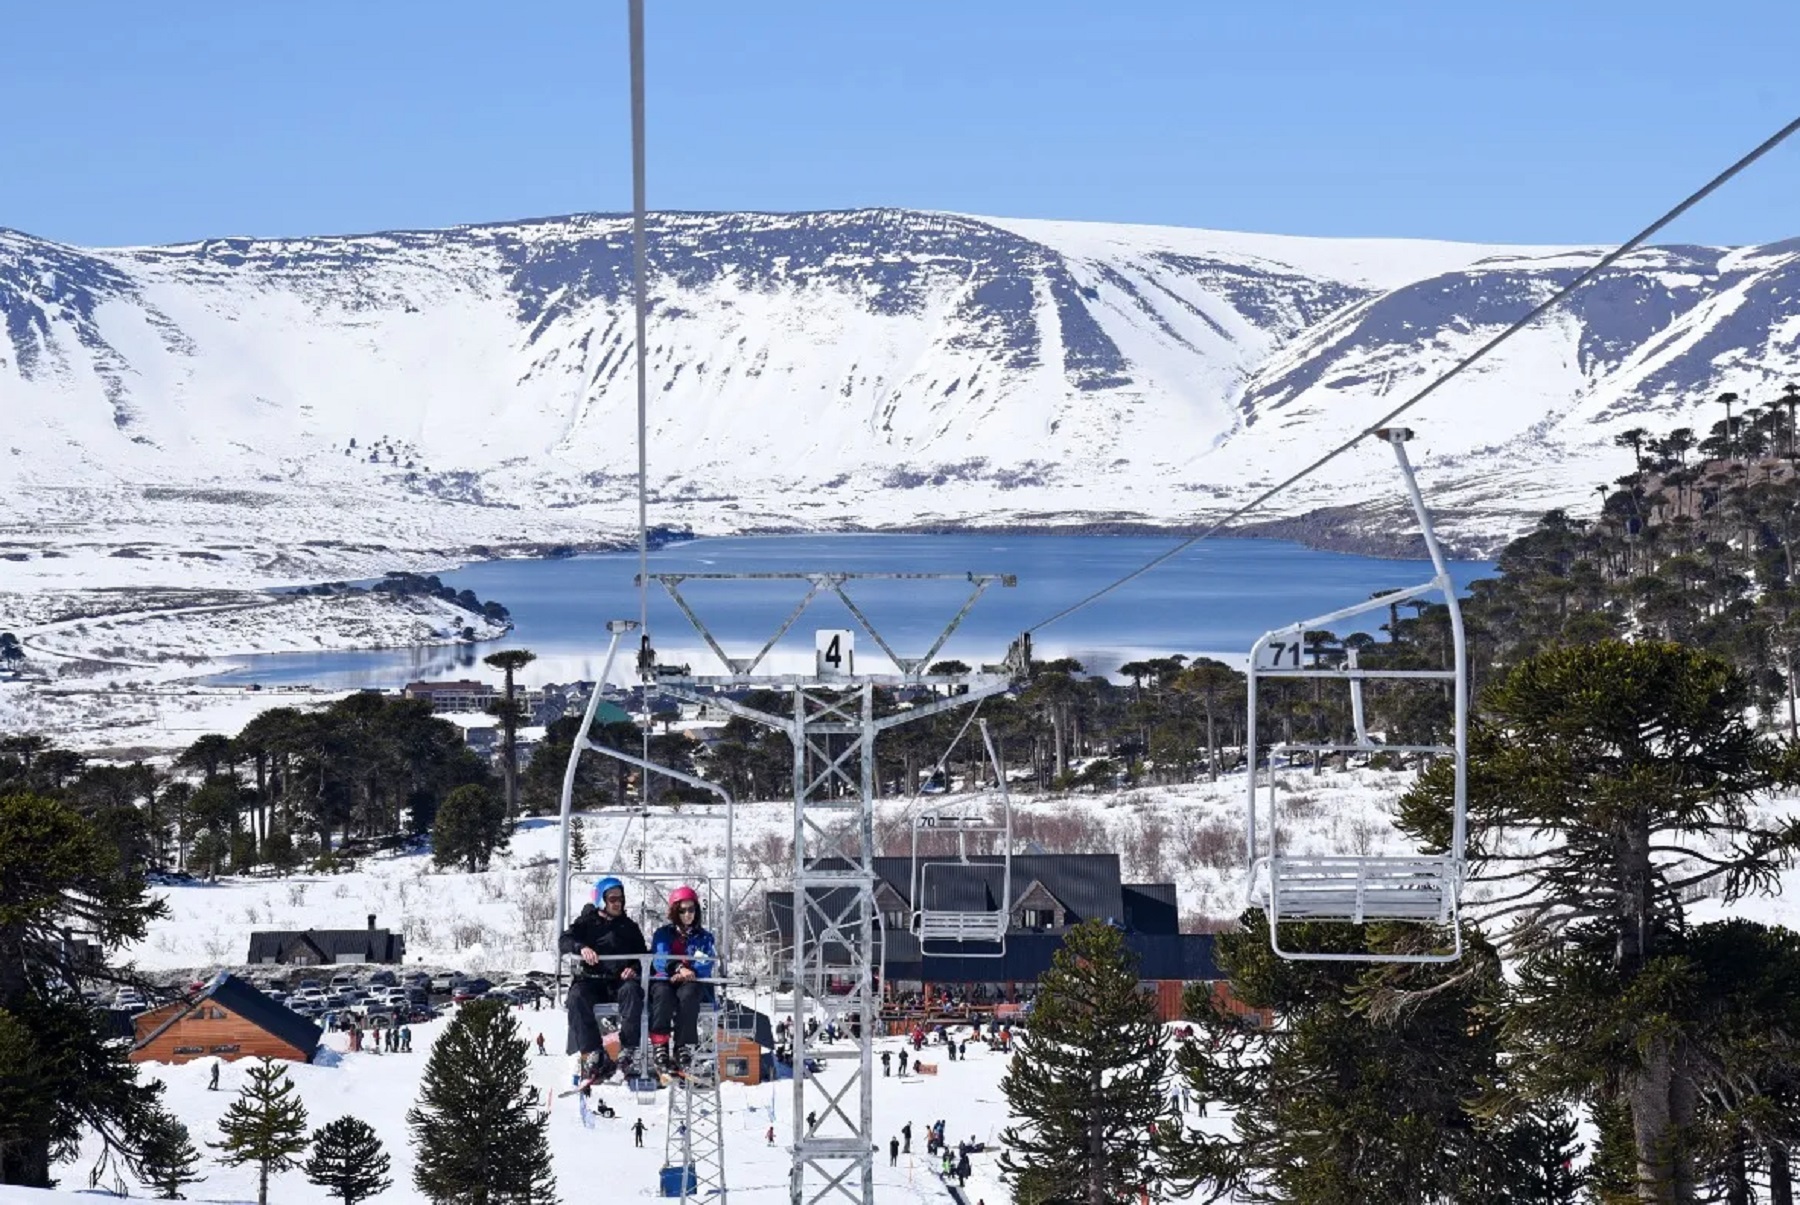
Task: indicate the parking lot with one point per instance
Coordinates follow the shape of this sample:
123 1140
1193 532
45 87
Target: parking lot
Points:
334 996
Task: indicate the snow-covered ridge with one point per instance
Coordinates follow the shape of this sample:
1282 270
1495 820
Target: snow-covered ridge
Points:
428 391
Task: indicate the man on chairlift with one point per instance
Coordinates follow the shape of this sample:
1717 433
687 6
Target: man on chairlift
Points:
601 930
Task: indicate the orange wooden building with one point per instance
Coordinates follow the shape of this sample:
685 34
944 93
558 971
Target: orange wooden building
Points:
228 1019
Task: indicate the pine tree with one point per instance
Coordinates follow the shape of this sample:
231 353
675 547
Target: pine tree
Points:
265 1125
348 1161
1088 1081
578 850
476 1130
169 1158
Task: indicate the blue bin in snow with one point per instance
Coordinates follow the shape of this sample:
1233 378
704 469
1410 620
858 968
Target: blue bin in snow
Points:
672 1179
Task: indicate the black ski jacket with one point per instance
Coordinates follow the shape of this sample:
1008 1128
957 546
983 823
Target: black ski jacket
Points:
603 935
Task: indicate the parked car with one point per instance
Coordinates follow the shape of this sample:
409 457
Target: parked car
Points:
469 989
383 979
343 979
443 983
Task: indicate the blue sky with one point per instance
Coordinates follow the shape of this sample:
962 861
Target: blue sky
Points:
1514 121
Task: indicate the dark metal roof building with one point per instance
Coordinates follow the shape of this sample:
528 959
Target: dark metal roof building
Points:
1050 893
324 947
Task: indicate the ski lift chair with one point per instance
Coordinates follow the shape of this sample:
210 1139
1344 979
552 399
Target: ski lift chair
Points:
1358 889
644 887
962 909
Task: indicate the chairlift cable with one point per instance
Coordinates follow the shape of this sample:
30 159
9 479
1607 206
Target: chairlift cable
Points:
1630 245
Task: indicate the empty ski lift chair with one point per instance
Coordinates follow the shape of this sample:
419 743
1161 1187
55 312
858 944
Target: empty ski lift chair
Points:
962 909
1421 888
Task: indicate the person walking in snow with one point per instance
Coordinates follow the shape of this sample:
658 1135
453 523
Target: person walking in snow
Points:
770 1136
540 1045
600 935
637 1131
906 1135
893 1152
213 1083
684 956
887 1059
963 1168
903 1062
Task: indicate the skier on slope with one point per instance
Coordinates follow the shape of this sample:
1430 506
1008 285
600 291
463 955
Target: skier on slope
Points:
603 929
684 956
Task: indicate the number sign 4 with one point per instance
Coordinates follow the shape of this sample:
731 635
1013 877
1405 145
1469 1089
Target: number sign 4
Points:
834 652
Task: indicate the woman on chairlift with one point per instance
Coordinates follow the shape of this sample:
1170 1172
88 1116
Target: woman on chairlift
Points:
683 957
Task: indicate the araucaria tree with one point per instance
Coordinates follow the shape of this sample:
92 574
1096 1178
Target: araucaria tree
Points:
62 1073
471 825
1350 1083
476 1131
1087 1083
348 1161
509 662
1607 783
265 1125
169 1158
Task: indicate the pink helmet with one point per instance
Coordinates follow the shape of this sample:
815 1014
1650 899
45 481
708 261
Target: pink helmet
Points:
680 896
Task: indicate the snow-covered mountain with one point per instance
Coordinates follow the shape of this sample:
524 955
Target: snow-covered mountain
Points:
318 398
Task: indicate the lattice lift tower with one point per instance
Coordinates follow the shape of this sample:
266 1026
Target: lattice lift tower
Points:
831 721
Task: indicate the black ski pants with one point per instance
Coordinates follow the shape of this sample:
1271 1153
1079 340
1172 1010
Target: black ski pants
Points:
584 1028
675 1009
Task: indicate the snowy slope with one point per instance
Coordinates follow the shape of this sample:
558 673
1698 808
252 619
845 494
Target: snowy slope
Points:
312 401
496 921
593 1162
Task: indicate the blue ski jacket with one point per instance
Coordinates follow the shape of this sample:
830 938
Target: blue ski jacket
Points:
697 945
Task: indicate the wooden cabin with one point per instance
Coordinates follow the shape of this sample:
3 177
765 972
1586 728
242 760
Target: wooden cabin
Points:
228 1019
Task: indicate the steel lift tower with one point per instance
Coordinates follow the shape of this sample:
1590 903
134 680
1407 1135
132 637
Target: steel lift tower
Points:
830 718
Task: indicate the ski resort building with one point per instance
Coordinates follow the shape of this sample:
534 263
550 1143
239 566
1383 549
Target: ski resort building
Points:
1050 894
460 695
324 947
228 1019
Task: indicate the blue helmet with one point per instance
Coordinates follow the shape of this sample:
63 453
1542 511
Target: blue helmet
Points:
603 886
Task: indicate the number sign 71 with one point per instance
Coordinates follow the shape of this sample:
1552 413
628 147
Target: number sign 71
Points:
1281 654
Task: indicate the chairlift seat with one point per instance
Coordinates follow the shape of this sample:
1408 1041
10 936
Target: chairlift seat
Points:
1420 888
1356 890
937 925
